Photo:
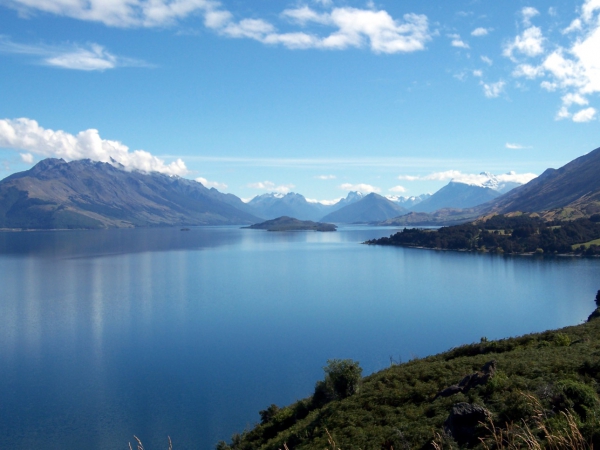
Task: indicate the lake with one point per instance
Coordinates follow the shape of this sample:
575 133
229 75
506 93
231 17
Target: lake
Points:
188 334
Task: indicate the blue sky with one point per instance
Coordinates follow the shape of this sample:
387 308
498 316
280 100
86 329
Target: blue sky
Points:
317 97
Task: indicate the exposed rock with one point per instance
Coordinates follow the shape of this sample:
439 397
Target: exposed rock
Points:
463 421
470 381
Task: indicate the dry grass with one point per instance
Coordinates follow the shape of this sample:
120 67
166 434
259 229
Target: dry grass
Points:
140 446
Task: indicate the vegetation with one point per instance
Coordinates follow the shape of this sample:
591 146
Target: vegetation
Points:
534 391
285 223
526 233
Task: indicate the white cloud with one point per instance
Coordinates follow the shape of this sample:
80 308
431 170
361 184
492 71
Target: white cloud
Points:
210 184
400 189
265 185
408 177
477 32
457 41
27 158
348 27
530 43
585 115
528 71
575 68
476 178
477 73
270 186
328 202
361 187
487 60
493 90
528 13
118 13
513 146
576 25
355 27
325 177
25 134
89 57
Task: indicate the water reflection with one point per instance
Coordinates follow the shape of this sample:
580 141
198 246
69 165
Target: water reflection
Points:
192 341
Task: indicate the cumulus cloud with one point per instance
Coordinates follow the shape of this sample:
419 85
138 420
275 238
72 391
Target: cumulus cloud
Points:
211 184
477 73
478 32
398 188
493 90
456 41
361 187
528 13
26 158
270 186
529 43
325 177
573 69
26 135
340 27
585 115
487 60
88 57
353 27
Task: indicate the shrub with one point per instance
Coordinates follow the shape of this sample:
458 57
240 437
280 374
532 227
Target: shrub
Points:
342 379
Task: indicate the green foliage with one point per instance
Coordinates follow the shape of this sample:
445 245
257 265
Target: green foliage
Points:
343 376
503 234
267 415
562 340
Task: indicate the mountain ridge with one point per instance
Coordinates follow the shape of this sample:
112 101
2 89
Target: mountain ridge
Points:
88 194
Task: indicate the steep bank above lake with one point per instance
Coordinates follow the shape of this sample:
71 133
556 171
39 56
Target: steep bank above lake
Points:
547 379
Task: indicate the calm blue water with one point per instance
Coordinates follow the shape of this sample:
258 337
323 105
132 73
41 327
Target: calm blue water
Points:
156 332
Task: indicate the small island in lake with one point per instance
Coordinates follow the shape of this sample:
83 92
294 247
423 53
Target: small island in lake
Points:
286 223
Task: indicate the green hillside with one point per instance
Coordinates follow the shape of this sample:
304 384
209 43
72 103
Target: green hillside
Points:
542 388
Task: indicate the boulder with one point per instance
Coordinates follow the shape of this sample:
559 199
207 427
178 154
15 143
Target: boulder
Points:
470 381
463 422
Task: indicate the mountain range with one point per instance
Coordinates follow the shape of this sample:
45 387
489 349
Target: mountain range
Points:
570 192
88 194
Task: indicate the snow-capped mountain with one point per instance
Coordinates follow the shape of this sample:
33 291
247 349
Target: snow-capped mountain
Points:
501 183
408 202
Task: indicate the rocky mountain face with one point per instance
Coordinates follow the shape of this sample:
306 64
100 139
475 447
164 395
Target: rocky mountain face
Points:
371 208
88 194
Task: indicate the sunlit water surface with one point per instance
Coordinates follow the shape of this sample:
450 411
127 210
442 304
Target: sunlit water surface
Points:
157 332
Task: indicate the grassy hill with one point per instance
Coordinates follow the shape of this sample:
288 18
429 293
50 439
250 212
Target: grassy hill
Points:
534 391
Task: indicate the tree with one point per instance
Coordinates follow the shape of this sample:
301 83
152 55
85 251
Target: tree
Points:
342 379
598 299
266 415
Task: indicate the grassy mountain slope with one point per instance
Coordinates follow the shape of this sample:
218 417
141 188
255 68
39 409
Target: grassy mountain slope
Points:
542 379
